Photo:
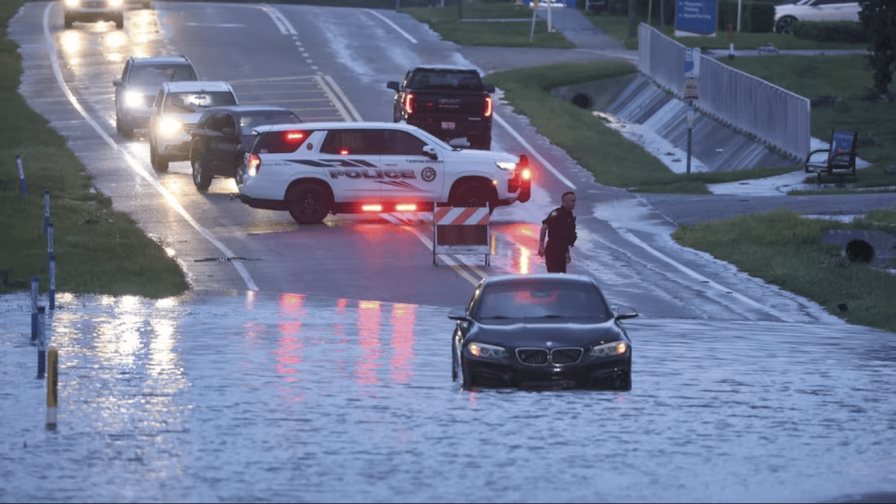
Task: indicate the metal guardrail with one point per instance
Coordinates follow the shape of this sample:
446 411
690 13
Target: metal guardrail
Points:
747 103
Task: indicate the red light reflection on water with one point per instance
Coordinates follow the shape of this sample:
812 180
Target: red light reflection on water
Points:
289 345
369 337
403 319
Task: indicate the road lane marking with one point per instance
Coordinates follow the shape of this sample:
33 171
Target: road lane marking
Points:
393 25
333 99
135 164
544 162
217 25
348 103
279 19
426 241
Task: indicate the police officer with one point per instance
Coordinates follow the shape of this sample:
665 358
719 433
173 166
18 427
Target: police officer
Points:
560 228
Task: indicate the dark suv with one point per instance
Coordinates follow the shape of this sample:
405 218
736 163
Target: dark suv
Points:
224 134
140 81
447 102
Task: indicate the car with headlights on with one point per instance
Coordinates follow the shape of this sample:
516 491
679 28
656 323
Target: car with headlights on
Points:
814 10
139 84
545 330
224 134
176 110
319 168
93 10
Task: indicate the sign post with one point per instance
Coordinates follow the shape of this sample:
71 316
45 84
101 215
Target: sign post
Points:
691 77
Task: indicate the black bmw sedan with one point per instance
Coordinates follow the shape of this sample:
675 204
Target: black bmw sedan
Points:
552 330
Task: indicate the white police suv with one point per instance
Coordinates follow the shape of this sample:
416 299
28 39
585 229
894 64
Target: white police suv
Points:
314 169
176 111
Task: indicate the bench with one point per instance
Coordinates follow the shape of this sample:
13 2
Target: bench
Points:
839 159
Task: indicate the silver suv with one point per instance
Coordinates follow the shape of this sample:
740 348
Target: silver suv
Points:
93 10
140 81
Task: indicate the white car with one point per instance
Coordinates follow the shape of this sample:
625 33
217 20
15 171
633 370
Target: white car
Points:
93 10
176 111
814 10
315 169
139 84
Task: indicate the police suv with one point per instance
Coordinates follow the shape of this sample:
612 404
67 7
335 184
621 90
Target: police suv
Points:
314 169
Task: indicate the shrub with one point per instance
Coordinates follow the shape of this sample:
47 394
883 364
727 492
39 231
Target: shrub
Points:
758 16
837 31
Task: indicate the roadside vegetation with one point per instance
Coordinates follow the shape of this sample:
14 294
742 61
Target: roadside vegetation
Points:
98 250
470 25
785 249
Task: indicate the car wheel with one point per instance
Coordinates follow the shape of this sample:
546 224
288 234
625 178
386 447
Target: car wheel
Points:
158 162
119 21
785 24
471 194
467 381
201 179
124 129
309 203
69 21
624 380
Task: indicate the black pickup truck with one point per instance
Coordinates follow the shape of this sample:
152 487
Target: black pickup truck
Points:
447 102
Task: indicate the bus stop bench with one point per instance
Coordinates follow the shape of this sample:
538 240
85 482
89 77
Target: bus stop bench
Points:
839 159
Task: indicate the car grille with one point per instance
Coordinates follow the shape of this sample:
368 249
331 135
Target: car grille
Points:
541 356
189 128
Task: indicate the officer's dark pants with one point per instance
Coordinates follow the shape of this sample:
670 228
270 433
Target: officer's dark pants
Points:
555 258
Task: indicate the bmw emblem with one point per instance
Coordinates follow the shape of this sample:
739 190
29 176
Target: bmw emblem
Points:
428 174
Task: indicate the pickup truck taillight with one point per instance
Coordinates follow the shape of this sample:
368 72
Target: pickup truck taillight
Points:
488 106
253 164
408 103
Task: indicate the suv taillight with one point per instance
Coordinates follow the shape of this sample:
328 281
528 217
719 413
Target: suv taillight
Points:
409 103
253 164
488 106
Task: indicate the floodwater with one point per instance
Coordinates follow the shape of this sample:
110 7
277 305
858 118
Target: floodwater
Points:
253 397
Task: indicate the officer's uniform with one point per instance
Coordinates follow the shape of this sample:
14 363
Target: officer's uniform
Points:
561 225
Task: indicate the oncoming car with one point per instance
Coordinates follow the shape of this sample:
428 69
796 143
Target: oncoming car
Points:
224 134
138 85
353 167
93 10
814 10
550 329
176 110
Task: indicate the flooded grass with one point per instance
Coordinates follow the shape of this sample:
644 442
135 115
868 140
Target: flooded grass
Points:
98 250
786 250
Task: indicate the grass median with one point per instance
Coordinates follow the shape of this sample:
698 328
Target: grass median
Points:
489 24
98 250
786 250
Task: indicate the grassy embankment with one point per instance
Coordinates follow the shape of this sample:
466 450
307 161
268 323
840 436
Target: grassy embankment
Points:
471 30
98 250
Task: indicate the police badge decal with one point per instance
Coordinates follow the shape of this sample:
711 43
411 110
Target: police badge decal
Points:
428 174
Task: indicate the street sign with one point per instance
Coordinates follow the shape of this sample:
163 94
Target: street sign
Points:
696 17
691 72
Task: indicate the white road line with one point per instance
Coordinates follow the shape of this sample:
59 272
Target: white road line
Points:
345 99
393 25
267 79
280 20
134 163
426 241
219 25
339 108
542 160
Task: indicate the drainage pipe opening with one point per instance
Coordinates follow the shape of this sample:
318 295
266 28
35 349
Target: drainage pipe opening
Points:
859 251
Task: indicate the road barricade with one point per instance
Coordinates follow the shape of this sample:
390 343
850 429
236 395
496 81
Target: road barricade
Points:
461 231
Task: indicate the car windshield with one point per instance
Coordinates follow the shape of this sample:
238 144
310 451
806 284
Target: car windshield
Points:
261 118
547 300
446 79
193 101
156 75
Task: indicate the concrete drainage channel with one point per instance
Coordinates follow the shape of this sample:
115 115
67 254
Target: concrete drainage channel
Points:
870 246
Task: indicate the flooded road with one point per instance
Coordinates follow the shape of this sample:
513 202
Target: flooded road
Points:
298 398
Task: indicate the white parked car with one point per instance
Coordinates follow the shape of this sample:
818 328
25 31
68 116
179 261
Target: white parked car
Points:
93 10
814 10
315 169
176 111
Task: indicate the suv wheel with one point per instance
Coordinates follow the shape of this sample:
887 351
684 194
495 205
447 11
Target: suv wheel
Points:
124 129
471 194
309 203
119 21
158 161
201 179
68 20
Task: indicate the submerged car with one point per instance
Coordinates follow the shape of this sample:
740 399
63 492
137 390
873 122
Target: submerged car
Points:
553 330
814 10
224 134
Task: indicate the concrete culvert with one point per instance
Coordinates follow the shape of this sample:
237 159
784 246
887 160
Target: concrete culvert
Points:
582 100
859 251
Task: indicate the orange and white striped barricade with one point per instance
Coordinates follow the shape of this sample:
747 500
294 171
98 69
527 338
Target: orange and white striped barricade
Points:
461 231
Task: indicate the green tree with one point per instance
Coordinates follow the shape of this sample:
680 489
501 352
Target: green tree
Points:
878 18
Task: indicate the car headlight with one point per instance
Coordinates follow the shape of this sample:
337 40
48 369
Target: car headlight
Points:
133 99
611 349
116 3
506 165
169 126
72 3
487 351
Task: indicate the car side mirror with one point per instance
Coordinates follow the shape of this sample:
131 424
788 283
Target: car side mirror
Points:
459 314
489 88
625 312
117 82
393 85
459 142
430 152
